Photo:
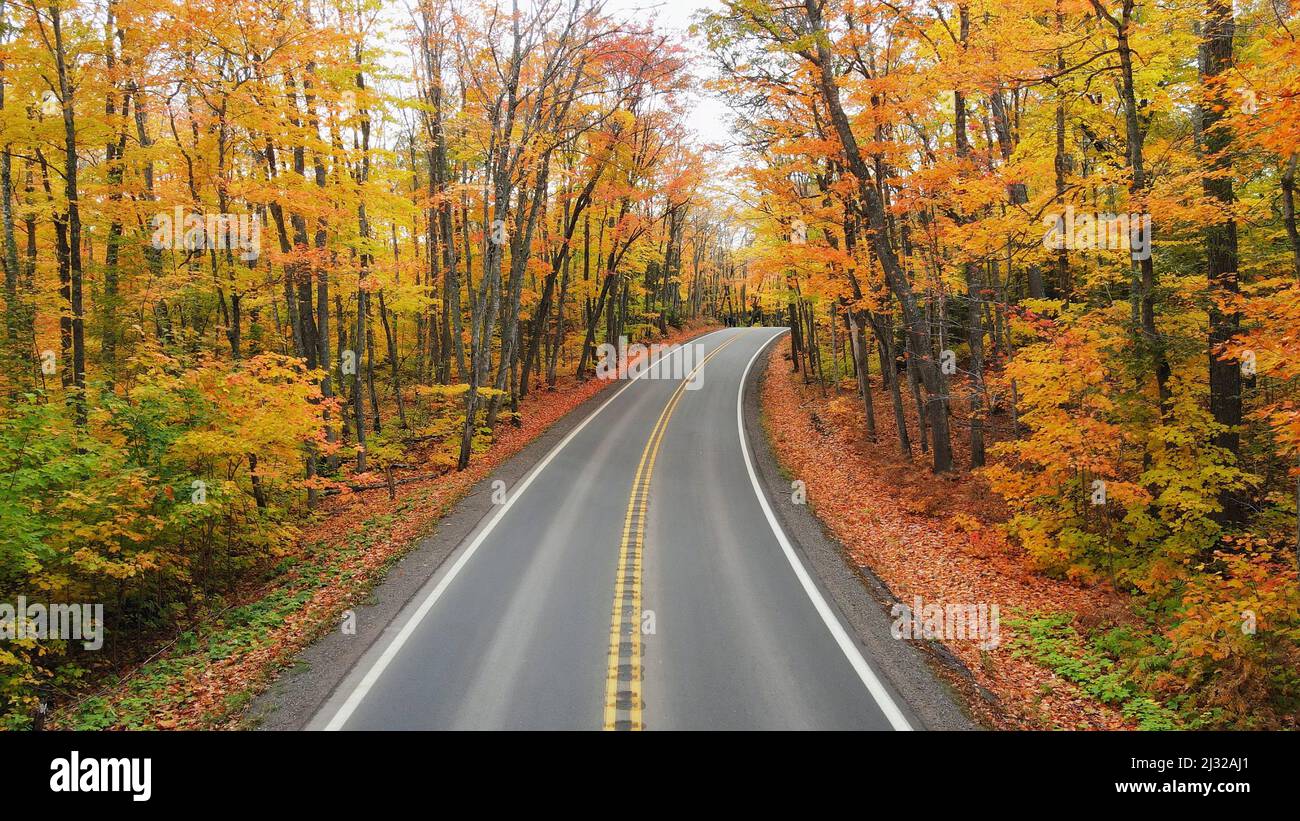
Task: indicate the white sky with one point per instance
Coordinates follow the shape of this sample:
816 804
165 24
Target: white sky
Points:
708 114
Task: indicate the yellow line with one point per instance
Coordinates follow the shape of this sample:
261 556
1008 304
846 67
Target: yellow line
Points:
631 548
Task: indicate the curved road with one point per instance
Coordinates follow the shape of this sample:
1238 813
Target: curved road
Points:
635 578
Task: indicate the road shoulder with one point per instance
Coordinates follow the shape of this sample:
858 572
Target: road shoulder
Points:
861 599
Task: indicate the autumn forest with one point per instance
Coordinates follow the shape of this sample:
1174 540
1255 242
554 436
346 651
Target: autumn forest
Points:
284 277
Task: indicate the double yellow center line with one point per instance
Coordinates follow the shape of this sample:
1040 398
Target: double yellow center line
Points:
623 703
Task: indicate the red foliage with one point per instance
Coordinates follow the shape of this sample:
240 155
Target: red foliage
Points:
936 539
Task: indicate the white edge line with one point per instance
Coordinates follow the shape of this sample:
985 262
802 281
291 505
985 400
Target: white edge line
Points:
372 675
850 649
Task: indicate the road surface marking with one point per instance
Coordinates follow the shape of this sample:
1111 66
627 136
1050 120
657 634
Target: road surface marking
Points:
878 692
372 675
623 704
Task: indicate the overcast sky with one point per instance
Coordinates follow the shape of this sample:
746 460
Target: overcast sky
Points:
708 115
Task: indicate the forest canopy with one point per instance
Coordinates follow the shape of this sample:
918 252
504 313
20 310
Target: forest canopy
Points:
261 253
257 253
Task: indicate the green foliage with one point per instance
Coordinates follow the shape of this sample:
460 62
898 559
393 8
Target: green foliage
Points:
1051 640
150 510
161 689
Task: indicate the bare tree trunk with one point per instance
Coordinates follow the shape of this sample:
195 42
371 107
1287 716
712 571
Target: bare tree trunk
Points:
1288 210
363 291
1137 192
558 342
974 312
113 153
889 372
391 339
1221 242
1061 165
17 317
863 365
77 322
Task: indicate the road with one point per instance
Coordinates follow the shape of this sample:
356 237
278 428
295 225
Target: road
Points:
635 578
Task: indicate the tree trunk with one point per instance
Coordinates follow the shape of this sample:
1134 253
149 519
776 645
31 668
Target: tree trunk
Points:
1288 210
917 329
862 364
1221 242
77 323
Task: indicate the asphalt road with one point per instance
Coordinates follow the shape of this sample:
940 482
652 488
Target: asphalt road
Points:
635 578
